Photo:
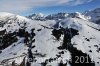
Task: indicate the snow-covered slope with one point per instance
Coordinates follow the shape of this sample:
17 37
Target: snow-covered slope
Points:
5 15
50 42
77 15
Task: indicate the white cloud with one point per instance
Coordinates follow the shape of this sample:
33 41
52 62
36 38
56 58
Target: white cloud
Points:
17 6
77 2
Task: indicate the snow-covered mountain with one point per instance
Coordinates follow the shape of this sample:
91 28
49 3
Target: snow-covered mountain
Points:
63 42
57 16
94 15
91 15
38 16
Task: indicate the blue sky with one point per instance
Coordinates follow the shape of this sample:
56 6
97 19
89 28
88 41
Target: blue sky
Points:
26 7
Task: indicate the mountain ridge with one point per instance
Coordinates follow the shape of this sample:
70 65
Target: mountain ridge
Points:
91 15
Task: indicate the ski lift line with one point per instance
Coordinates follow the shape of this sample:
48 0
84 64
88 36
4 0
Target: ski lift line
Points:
94 27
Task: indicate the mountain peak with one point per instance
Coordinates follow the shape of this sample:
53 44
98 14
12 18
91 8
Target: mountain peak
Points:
40 14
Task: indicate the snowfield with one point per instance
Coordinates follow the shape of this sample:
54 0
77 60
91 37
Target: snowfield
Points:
43 46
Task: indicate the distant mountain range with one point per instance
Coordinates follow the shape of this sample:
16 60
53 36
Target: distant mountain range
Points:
92 15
